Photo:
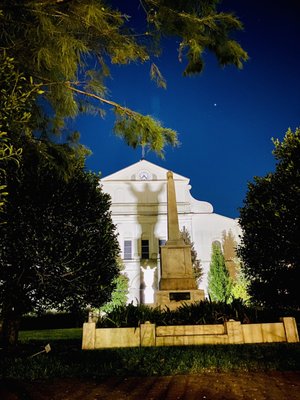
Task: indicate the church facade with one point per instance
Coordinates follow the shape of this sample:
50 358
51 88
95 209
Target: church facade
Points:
139 211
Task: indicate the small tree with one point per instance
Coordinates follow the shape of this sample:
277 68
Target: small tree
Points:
219 281
119 294
240 283
229 246
196 264
240 286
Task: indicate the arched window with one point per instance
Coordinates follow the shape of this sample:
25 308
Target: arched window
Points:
217 243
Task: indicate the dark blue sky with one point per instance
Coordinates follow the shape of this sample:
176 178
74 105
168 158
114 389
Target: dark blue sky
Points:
225 117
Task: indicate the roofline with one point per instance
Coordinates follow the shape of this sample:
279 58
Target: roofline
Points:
177 178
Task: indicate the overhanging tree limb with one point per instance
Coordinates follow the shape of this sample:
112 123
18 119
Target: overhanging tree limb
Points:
117 106
136 129
59 39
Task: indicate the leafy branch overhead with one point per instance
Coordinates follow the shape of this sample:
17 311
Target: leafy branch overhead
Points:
137 129
67 45
201 27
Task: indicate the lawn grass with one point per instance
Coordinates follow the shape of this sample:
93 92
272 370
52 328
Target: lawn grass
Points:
51 334
66 359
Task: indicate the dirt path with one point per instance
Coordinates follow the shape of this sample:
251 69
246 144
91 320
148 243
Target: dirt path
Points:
214 386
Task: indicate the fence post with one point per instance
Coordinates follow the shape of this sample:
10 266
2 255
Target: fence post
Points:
88 336
291 331
234 331
147 334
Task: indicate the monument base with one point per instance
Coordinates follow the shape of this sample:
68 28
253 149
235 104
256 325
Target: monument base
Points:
177 270
177 284
175 298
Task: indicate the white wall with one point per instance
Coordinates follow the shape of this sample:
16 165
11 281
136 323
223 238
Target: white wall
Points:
139 209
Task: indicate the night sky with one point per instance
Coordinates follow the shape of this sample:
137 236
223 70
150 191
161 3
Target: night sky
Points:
225 117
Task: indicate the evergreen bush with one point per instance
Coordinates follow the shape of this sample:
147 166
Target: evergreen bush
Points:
219 281
52 321
199 313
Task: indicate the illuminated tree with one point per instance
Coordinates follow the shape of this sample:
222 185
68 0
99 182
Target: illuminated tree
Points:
219 281
119 294
196 263
240 285
229 246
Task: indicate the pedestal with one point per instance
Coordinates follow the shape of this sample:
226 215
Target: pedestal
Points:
177 271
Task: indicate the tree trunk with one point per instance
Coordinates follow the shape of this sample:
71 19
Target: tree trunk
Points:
10 331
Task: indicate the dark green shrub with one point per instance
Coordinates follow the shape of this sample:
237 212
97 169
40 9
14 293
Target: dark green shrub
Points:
130 315
204 312
52 321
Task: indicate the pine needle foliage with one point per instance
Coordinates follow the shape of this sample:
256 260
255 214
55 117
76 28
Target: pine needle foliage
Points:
201 27
57 41
143 130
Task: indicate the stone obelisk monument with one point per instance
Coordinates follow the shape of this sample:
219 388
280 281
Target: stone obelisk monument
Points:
177 284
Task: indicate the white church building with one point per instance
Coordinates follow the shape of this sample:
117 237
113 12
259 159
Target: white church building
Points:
139 211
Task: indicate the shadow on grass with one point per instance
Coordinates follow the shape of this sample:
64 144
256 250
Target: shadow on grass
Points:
66 359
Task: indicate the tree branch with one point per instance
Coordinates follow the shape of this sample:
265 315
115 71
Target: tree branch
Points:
117 106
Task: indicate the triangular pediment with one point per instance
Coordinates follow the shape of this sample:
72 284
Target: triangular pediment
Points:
142 170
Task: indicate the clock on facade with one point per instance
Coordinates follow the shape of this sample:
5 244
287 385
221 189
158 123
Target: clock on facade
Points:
144 175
